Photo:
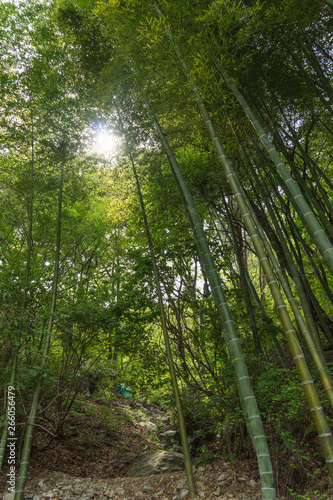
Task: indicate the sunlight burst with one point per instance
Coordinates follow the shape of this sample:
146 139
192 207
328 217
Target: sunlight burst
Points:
105 142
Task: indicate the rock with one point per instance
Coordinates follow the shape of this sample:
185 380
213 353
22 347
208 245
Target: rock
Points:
221 478
90 492
183 493
146 488
150 426
68 430
171 434
168 437
181 485
157 463
8 496
177 448
109 493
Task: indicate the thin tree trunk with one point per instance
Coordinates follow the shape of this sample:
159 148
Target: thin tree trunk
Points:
4 435
181 420
279 350
258 348
34 406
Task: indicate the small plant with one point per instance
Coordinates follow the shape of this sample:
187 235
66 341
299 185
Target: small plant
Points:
206 456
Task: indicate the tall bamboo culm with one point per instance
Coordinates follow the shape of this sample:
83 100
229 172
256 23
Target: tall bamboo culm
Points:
180 414
229 330
277 345
316 409
315 230
314 349
4 434
22 476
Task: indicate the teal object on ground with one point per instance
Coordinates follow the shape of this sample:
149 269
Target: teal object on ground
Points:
125 391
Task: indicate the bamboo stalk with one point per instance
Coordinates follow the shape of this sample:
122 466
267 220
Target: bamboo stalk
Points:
34 406
4 434
229 330
180 413
322 427
315 230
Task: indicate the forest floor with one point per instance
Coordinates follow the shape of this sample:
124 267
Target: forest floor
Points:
92 456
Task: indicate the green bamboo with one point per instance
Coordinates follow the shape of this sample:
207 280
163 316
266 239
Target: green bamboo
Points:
4 434
308 194
286 211
322 427
324 285
307 286
315 230
312 340
311 165
229 330
181 420
34 406
277 345
298 281
307 77
248 304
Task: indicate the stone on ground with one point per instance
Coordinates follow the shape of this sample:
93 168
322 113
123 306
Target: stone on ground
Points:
158 462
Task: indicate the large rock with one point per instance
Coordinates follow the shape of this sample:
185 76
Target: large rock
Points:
157 463
149 426
169 437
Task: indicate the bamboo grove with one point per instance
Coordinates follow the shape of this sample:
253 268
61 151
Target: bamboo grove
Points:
209 227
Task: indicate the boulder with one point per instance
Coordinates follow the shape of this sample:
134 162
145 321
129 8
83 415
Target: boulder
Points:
158 462
68 430
8 496
149 426
169 437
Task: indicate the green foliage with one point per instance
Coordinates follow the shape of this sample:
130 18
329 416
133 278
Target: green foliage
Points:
62 66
